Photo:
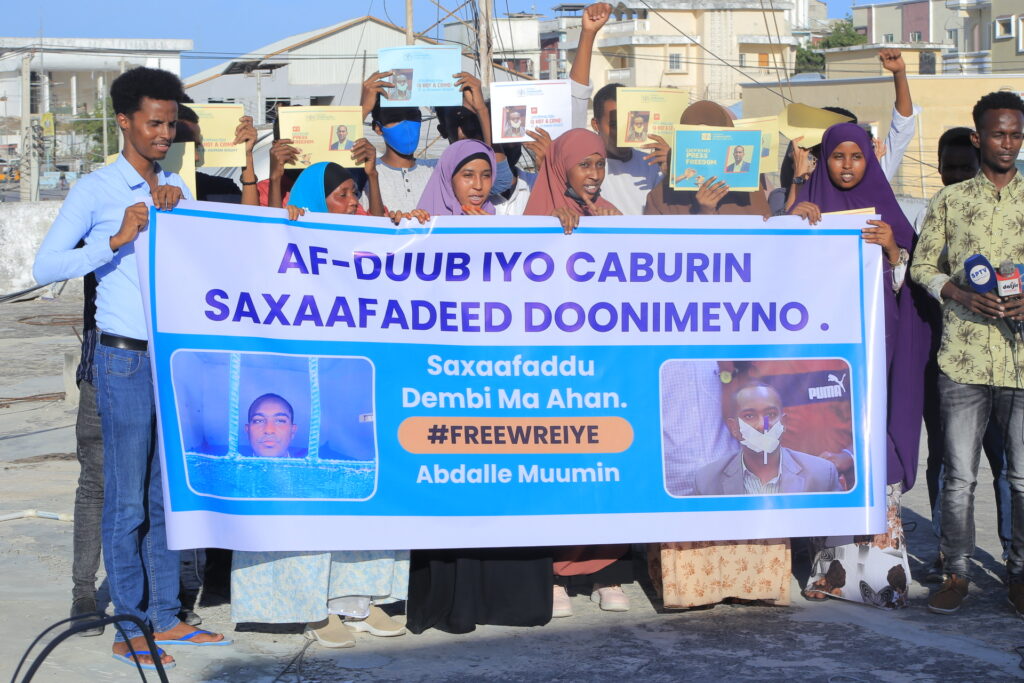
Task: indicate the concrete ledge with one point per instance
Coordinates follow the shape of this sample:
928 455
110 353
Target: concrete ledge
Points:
22 228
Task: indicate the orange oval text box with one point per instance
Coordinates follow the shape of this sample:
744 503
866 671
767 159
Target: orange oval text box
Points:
439 435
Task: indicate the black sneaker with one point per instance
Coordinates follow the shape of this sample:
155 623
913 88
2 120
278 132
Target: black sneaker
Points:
83 606
935 573
190 617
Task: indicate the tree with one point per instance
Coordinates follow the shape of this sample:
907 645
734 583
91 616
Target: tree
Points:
91 125
842 35
809 61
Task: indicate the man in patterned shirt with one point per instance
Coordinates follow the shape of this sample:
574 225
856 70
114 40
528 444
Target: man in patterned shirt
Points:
980 370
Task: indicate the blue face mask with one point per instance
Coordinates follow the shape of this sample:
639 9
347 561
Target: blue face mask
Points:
402 137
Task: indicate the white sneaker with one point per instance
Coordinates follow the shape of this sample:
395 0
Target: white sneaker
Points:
378 623
561 606
610 598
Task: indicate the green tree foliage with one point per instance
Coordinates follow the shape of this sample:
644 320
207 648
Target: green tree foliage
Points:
91 124
842 35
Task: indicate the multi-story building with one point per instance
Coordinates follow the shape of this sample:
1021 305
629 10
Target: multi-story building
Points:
706 46
909 21
554 49
808 19
992 37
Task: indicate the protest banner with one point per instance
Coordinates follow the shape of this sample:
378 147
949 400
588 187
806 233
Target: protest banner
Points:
218 123
321 133
424 76
353 385
728 154
518 106
642 112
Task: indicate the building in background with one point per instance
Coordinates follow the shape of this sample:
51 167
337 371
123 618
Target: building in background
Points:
991 37
322 67
554 48
515 41
909 21
706 47
68 78
871 99
924 59
66 73
808 20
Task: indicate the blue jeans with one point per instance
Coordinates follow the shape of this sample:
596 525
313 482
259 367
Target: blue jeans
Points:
141 572
966 411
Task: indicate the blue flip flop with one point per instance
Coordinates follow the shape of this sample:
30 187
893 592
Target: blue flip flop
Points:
130 661
187 640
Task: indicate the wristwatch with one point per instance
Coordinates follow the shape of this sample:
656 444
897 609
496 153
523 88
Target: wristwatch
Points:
799 180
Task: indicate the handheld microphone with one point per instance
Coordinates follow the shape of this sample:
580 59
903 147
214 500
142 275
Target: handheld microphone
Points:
980 274
983 278
1008 287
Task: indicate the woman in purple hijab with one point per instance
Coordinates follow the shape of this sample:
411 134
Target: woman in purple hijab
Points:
848 176
461 182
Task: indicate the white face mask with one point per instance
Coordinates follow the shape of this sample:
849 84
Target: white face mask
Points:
761 442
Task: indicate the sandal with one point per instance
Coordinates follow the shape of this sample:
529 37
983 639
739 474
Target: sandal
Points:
130 659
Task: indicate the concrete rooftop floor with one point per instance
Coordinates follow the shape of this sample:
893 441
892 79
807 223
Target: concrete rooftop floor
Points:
807 641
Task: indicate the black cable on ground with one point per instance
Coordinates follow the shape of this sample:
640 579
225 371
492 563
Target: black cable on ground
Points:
88 621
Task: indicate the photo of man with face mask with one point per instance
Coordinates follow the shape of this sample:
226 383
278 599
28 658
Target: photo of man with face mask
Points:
403 85
515 122
638 121
756 419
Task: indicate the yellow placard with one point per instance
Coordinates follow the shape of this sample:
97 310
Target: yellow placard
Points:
798 120
49 124
180 159
641 112
769 127
851 212
322 133
217 123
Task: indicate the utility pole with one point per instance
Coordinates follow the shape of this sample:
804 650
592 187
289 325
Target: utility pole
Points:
103 104
28 187
409 38
484 41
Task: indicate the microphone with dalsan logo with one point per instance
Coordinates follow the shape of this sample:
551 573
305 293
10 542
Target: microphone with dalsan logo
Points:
1006 282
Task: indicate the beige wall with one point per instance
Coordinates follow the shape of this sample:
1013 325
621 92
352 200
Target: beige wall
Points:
856 63
1005 57
872 99
637 52
888 19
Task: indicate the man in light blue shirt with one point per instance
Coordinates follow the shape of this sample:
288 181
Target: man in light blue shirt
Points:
106 210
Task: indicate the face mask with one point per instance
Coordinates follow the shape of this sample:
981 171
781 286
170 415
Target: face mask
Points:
761 442
402 137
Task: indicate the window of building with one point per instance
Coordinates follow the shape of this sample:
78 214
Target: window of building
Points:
926 64
952 36
1020 34
743 59
915 36
321 100
1002 28
675 61
762 60
220 100
887 38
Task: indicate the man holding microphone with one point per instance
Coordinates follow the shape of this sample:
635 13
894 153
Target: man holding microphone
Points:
981 372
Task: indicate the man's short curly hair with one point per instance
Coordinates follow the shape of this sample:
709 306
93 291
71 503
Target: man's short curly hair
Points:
1001 99
129 88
